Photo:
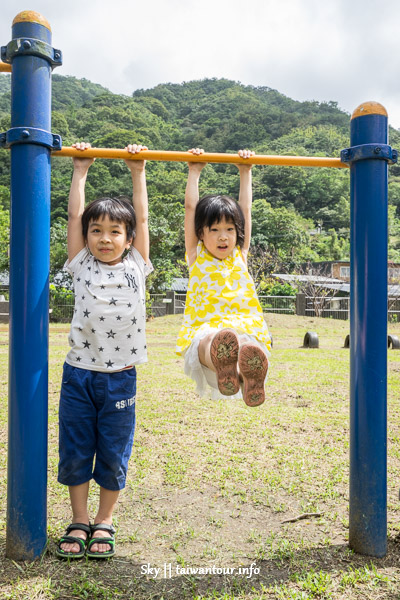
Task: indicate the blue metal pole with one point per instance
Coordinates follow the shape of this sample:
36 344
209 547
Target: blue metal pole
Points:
368 329
29 304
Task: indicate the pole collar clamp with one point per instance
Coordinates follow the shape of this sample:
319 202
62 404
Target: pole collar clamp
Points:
30 135
369 151
30 46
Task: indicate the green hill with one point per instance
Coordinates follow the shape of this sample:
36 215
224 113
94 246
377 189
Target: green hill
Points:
221 116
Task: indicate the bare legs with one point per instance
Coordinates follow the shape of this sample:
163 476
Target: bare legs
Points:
235 364
79 497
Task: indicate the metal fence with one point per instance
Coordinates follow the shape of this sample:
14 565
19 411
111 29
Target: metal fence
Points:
162 304
158 306
328 307
275 304
394 310
60 312
180 300
278 304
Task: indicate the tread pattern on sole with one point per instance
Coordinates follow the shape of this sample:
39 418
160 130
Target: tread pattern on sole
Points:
224 353
253 366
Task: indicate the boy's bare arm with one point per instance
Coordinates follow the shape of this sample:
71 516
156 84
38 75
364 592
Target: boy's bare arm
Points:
76 202
245 199
191 200
140 201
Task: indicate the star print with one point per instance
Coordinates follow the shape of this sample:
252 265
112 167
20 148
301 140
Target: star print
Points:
110 275
83 297
109 363
78 358
134 321
111 333
133 350
86 313
80 328
94 297
93 360
101 349
93 331
86 344
96 272
139 330
119 286
78 278
103 287
129 335
81 262
116 349
87 282
102 318
119 317
89 268
113 301
129 305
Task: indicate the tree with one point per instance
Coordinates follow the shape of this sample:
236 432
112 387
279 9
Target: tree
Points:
282 231
59 254
261 263
4 240
166 242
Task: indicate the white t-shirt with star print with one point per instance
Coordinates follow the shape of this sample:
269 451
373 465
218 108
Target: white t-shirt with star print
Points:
108 327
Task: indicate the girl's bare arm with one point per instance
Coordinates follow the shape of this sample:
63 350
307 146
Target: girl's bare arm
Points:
245 199
191 200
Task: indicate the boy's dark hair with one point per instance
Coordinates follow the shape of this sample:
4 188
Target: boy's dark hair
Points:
212 209
119 210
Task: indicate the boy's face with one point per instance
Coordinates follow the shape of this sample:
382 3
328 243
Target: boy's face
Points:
220 238
107 240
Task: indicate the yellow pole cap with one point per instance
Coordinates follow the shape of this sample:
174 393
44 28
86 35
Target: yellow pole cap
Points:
369 108
30 16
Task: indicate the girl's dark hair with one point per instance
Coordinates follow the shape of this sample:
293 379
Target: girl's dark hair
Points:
212 209
119 210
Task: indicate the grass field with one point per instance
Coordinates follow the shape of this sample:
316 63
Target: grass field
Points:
211 484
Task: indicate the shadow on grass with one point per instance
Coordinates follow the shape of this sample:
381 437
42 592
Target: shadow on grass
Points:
123 577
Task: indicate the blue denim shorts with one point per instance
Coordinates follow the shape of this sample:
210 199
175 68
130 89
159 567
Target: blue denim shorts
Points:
96 426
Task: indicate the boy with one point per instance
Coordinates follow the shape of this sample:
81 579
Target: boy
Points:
107 339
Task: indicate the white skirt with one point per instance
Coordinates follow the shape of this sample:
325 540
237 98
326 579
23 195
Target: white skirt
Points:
205 378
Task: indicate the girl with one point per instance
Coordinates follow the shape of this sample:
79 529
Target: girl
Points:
223 338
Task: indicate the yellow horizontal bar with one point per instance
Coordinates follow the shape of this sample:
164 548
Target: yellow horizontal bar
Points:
5 68
208 157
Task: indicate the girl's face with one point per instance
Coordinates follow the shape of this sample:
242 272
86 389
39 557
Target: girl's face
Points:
107 240
220 238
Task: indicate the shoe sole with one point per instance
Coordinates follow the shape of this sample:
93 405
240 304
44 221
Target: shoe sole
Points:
224 353
253 366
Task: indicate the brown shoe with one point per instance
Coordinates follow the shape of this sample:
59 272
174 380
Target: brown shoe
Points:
224 352
253 367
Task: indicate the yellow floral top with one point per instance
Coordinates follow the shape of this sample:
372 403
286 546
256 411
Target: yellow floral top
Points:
221 294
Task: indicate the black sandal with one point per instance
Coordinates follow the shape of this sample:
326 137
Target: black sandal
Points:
101 540
71 539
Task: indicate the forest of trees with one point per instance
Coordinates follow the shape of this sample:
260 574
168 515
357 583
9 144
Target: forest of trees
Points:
299 214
